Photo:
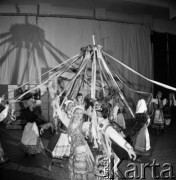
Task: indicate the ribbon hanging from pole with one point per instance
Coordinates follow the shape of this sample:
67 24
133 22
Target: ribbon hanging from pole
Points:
84 62
132 70
125 84
44 82
65 62
120 93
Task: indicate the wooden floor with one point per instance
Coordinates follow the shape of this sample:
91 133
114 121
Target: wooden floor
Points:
34 168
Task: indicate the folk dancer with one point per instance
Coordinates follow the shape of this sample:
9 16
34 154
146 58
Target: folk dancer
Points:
31 143
59 146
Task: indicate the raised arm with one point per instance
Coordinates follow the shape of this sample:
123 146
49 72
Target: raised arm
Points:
58 111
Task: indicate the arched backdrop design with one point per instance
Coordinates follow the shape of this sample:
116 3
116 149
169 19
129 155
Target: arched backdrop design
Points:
27 46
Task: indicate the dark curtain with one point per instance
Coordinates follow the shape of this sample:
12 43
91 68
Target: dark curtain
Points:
160 60
172 59
164 56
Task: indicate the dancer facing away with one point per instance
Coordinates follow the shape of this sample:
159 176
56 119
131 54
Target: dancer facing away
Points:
140 138
59 146
31 143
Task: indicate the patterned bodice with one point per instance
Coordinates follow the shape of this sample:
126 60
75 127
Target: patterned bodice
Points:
77 137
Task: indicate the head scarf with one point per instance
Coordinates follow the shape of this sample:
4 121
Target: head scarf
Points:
77 107
141 106
67 103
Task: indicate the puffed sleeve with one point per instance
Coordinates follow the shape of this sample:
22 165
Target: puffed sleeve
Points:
63 117
86 128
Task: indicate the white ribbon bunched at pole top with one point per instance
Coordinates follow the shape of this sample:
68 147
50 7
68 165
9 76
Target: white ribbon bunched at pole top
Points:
132 70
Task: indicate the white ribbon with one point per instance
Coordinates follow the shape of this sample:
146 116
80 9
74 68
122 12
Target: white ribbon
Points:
132 70
108 71
45 81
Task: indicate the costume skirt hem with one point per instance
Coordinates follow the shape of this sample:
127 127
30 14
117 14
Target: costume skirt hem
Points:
32 149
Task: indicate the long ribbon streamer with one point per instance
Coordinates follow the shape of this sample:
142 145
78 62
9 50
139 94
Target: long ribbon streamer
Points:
120 93
46 72
44 82
125 84
80 69
132 70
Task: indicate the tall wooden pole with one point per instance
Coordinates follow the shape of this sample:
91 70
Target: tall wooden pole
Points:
94 69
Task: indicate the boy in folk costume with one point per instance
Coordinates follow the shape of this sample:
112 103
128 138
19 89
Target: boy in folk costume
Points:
30 141
104 135
59 146
140 139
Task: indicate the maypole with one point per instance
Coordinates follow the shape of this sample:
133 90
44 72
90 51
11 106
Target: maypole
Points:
94 69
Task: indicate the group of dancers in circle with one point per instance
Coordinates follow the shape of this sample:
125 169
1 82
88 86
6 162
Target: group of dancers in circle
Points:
87 131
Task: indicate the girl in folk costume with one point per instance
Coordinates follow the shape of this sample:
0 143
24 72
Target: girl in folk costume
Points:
30 141
140 139
81 162
59 146
81 158
158 118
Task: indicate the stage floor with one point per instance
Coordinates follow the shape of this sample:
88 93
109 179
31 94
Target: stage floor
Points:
35 168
